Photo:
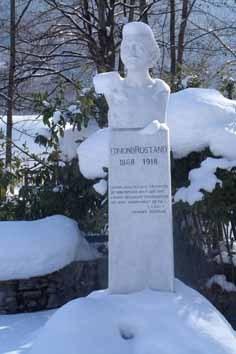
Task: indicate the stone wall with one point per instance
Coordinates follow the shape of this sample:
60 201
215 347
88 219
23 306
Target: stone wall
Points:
49 291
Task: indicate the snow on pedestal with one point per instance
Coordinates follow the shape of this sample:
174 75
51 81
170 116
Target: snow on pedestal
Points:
150 322
140 215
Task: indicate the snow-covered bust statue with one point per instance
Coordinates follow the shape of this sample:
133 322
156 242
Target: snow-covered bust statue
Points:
137 99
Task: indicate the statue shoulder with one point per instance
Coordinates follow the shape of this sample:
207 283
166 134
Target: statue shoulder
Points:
106 82
162 86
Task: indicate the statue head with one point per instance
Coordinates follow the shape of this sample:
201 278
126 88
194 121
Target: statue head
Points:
139 49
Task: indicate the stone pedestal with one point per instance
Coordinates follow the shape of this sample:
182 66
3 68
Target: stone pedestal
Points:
140 214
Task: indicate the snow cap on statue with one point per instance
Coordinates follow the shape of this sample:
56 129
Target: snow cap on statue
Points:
136 29
143 34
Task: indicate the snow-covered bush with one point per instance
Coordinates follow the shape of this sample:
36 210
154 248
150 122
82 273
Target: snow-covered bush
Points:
204 177
59 114
206 207
56 189
52 182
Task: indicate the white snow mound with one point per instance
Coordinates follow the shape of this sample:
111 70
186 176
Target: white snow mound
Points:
200 118
197 119
93 154
34 248
68 143
149 322
101 187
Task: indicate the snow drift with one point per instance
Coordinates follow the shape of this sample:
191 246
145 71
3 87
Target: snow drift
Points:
34 248
201 118
149 322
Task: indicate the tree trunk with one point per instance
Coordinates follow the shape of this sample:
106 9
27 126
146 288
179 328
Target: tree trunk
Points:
105 60
143 13
183 24
172 45
11 83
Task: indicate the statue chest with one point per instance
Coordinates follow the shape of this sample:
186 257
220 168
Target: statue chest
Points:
132 108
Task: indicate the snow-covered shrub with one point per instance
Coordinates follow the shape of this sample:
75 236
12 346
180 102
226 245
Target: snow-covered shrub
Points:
203 138
204 189
58 113
228 86
51 183
62 188
56 189
207 216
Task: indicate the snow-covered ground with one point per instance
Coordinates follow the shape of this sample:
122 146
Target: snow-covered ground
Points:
146 322
149 322
18 332
34 248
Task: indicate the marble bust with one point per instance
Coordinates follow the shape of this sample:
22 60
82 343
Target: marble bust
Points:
138 99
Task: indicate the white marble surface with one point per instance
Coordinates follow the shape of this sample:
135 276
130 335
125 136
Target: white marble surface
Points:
140 215
140 220
131 106
136 100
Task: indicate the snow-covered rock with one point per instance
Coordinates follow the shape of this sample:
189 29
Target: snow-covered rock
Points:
34 248
149 322
197 118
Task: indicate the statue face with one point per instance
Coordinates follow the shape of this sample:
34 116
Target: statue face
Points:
139 50
135 53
